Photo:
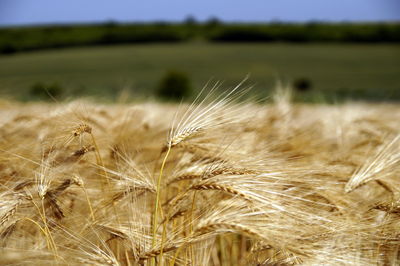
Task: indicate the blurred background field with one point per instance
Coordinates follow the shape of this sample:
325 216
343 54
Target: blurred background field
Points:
322 57
365 71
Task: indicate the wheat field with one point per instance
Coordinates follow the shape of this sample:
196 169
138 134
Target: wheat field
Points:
218 182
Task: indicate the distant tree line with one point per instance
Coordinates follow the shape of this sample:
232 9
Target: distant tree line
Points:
311 32
16 39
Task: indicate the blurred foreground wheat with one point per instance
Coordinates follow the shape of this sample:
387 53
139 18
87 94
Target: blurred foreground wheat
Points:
214 183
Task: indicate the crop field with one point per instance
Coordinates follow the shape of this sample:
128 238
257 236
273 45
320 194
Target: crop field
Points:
218 182
335 71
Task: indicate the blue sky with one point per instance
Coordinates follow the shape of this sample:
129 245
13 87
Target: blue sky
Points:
21 12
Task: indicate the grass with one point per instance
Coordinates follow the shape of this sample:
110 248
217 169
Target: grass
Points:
366 71
211 183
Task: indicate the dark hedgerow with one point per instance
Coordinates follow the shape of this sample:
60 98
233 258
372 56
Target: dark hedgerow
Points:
18 39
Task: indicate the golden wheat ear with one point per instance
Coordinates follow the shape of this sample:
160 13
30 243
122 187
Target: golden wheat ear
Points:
385 159
212 111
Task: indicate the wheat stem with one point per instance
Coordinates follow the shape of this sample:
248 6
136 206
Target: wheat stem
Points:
158 193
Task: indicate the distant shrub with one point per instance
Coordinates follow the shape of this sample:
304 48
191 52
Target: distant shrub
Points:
174 85
8 49
44 91
302 84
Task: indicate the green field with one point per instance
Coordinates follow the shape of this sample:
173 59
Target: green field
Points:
363 71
